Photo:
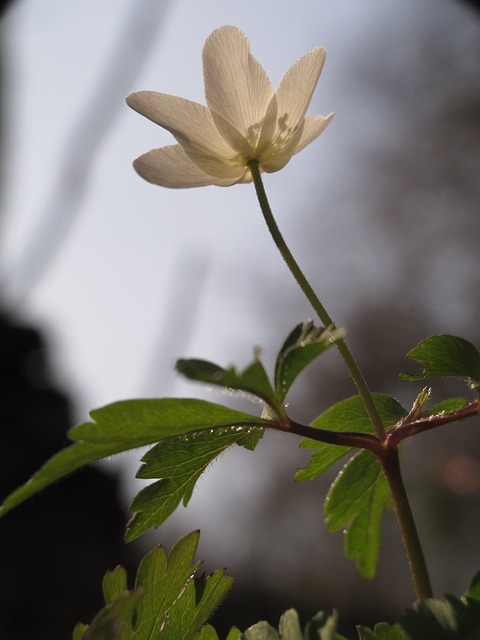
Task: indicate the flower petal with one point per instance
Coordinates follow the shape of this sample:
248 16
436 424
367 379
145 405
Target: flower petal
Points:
295 91
193 127
181 117
236 85
312 128
171 167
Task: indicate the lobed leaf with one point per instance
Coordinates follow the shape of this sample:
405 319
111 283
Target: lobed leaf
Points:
347 415
179 462
355 504
168 602
198 601
126 425
253 380
305 343
446 356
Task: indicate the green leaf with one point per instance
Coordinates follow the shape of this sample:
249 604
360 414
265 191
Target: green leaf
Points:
253 380
450 619
289 626
196 605
321 627
355 504
114 584
446 356
261 631
112 622
207 632
305 343
125 425
79 631
382 631
347 415
474 588
446 406
179 462
169 603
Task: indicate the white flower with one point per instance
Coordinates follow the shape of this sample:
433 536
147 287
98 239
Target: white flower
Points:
245 119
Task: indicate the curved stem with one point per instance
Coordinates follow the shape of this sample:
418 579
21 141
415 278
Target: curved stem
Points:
320 310
418 568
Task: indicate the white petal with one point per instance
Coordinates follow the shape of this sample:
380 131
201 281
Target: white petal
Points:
193 127
269 126
295 92
236 85
171 167
283 152
181 117
312 128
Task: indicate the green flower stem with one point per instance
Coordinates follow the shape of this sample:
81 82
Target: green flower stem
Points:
390 463
386 453
320 310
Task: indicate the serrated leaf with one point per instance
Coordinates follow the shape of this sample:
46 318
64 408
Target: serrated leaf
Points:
195 606
126 425
355 503
382 631
179 462
164 579
446 356
305 343
347 415
253 380
170 603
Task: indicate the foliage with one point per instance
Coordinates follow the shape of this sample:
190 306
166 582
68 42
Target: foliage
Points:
168 601
321 627
162 607
446 356
450 619
125 425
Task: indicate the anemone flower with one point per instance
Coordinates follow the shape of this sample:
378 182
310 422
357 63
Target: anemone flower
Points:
245 119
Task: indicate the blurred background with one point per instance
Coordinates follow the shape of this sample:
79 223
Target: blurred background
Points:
106 280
